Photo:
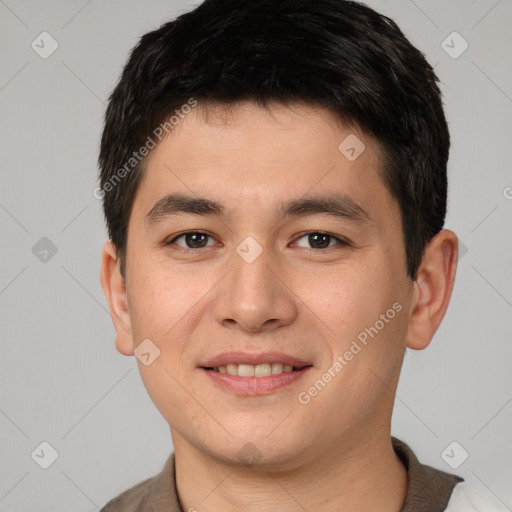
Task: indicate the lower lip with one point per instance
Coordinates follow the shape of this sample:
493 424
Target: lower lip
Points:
254 386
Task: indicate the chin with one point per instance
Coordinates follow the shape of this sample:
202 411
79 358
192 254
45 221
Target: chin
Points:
256 449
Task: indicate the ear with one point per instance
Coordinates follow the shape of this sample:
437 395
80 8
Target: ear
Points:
114 288
432 289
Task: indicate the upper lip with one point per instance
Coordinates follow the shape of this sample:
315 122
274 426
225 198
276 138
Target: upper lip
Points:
246 358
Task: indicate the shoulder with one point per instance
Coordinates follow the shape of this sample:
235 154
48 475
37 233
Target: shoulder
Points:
133 499
158 492
465 498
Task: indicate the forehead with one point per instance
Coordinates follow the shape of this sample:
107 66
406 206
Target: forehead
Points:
252 157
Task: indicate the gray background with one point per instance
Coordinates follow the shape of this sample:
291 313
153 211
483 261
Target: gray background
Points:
63 382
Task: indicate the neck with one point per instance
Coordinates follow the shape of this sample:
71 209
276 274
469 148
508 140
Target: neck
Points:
362 473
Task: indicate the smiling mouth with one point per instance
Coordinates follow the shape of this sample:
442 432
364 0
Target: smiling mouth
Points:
259 370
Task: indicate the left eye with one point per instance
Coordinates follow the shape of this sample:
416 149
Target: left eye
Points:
193 240
320 240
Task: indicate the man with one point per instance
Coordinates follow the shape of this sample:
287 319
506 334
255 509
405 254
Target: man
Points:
273 176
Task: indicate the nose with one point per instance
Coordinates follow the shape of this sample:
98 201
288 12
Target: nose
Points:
254 296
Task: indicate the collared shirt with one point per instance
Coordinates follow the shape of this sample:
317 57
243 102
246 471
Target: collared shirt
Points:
428 489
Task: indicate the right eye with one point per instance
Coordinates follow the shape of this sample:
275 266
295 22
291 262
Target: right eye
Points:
192 239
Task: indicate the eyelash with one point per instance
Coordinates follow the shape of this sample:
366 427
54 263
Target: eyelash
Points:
340 241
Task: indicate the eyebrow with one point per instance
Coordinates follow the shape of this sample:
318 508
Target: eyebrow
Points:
338 205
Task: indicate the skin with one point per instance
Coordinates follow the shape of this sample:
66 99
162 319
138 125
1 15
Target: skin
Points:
335 451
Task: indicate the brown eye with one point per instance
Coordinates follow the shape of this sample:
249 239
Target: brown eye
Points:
192 240
321 240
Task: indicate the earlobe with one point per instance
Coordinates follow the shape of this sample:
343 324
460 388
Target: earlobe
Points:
114 288
432 289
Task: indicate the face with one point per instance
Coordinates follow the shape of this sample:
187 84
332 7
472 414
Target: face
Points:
292 254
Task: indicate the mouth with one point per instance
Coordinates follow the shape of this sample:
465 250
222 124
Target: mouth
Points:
258 371
254 374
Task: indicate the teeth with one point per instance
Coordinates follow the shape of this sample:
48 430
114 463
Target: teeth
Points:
246 370
232 369
259 370
277 368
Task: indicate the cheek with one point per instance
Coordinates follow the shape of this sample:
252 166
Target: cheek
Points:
160 308
345 298
358 310
158 301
